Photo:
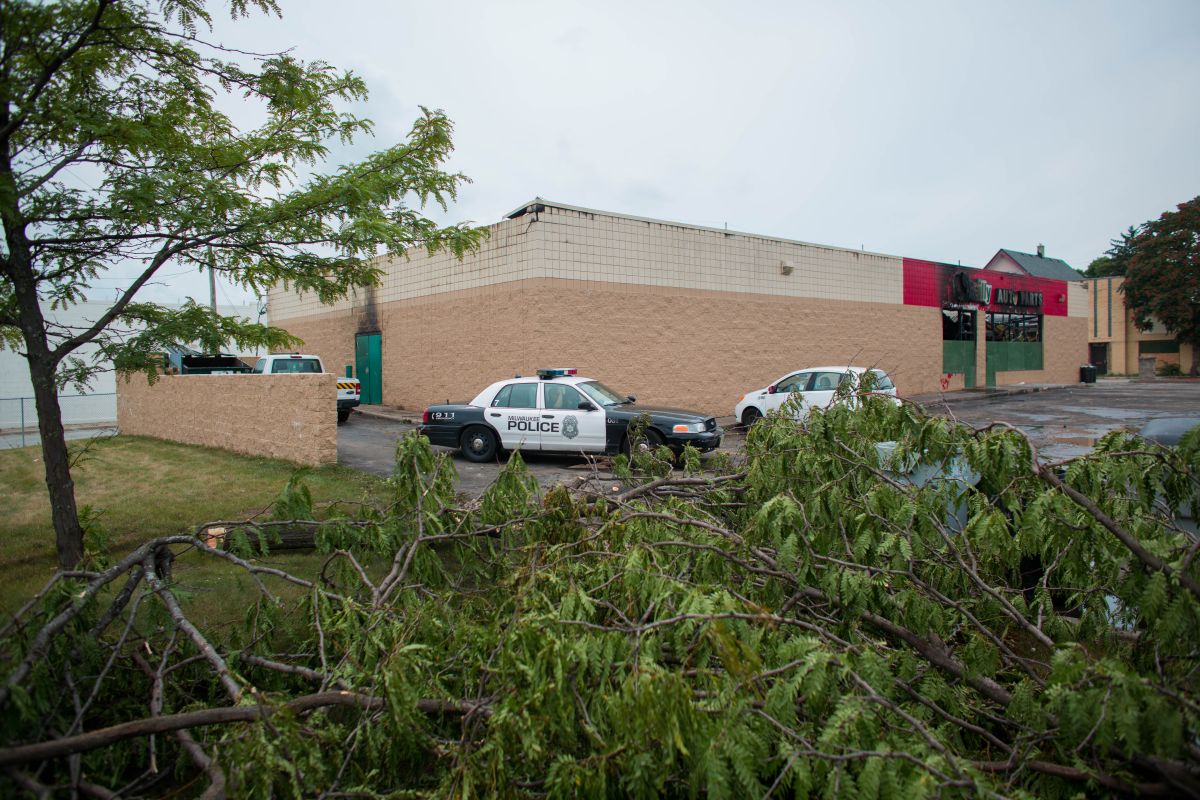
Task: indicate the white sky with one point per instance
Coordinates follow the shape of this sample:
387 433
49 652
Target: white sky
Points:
938 130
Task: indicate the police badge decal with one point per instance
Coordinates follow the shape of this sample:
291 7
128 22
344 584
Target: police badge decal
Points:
570 428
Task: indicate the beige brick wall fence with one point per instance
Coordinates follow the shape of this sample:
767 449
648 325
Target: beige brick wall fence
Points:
290 417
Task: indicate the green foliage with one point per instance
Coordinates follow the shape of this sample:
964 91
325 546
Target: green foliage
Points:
116 88
812 625
1115 261
1102 267
295 501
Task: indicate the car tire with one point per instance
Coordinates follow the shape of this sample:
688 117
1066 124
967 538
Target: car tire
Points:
343 415
750 416
653 439
479 445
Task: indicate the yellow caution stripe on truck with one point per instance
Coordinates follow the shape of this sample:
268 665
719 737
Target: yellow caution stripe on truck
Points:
347 385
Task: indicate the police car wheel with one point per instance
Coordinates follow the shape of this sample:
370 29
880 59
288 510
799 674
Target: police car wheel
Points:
648 444
750 416
479 445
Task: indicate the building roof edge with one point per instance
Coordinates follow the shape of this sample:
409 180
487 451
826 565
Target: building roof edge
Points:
525 208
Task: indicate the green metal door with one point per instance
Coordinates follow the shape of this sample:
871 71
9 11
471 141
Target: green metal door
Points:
368 359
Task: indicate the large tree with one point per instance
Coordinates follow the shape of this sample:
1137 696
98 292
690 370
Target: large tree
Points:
114 152
1163 279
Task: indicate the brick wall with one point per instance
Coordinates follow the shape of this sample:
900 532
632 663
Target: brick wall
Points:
331 337
573 244
1064 348
291 417
691 348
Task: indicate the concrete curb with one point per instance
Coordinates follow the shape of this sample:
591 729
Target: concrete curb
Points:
390 413
977 395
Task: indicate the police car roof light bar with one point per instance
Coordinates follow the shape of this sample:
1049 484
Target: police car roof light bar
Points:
557 372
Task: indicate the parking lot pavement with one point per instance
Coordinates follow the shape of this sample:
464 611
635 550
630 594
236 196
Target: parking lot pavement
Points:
1063 422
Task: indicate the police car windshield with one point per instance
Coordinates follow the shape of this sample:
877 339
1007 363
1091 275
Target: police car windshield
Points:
602 394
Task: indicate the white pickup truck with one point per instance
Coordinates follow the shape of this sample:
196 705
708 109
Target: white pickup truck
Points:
348 389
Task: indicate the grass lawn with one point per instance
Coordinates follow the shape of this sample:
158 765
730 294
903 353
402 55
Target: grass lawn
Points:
142 488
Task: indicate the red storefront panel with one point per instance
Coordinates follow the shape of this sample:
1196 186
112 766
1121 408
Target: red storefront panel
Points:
929 283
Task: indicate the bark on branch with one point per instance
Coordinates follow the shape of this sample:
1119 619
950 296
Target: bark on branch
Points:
103 737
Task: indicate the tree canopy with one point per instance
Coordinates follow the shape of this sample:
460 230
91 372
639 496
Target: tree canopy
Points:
115 151
816 621
1115 260
1163 278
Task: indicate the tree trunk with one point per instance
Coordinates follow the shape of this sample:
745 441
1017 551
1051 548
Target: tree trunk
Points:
43 365
63 512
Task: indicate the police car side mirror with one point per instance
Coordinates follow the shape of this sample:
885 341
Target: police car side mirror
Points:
772 389
584 405
629 398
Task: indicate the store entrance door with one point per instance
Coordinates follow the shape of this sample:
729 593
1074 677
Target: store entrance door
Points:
1098 357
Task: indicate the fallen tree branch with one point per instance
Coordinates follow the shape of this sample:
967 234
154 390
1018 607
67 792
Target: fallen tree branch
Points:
202 644
1126 538
1076 774
82 743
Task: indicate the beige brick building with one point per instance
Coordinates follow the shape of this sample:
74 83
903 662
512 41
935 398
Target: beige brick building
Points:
1115 343
678 314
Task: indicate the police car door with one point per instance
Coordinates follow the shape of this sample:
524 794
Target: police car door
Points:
571 427
514 414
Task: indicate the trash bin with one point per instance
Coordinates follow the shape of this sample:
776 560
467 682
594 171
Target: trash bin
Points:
1087 373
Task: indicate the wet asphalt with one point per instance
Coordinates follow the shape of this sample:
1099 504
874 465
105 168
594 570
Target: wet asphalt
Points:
1063 422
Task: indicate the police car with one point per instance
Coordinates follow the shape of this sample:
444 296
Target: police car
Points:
559 411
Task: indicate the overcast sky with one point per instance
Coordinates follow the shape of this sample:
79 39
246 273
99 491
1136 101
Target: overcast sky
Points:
937 130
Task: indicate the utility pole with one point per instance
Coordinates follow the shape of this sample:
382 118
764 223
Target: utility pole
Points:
212 280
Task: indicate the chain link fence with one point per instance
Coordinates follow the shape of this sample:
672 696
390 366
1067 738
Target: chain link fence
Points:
19 421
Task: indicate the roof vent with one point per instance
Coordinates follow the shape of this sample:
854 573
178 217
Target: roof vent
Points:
1041 251
786 267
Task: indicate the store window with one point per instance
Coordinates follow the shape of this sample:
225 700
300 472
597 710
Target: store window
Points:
1014 327
1151 348
958 325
